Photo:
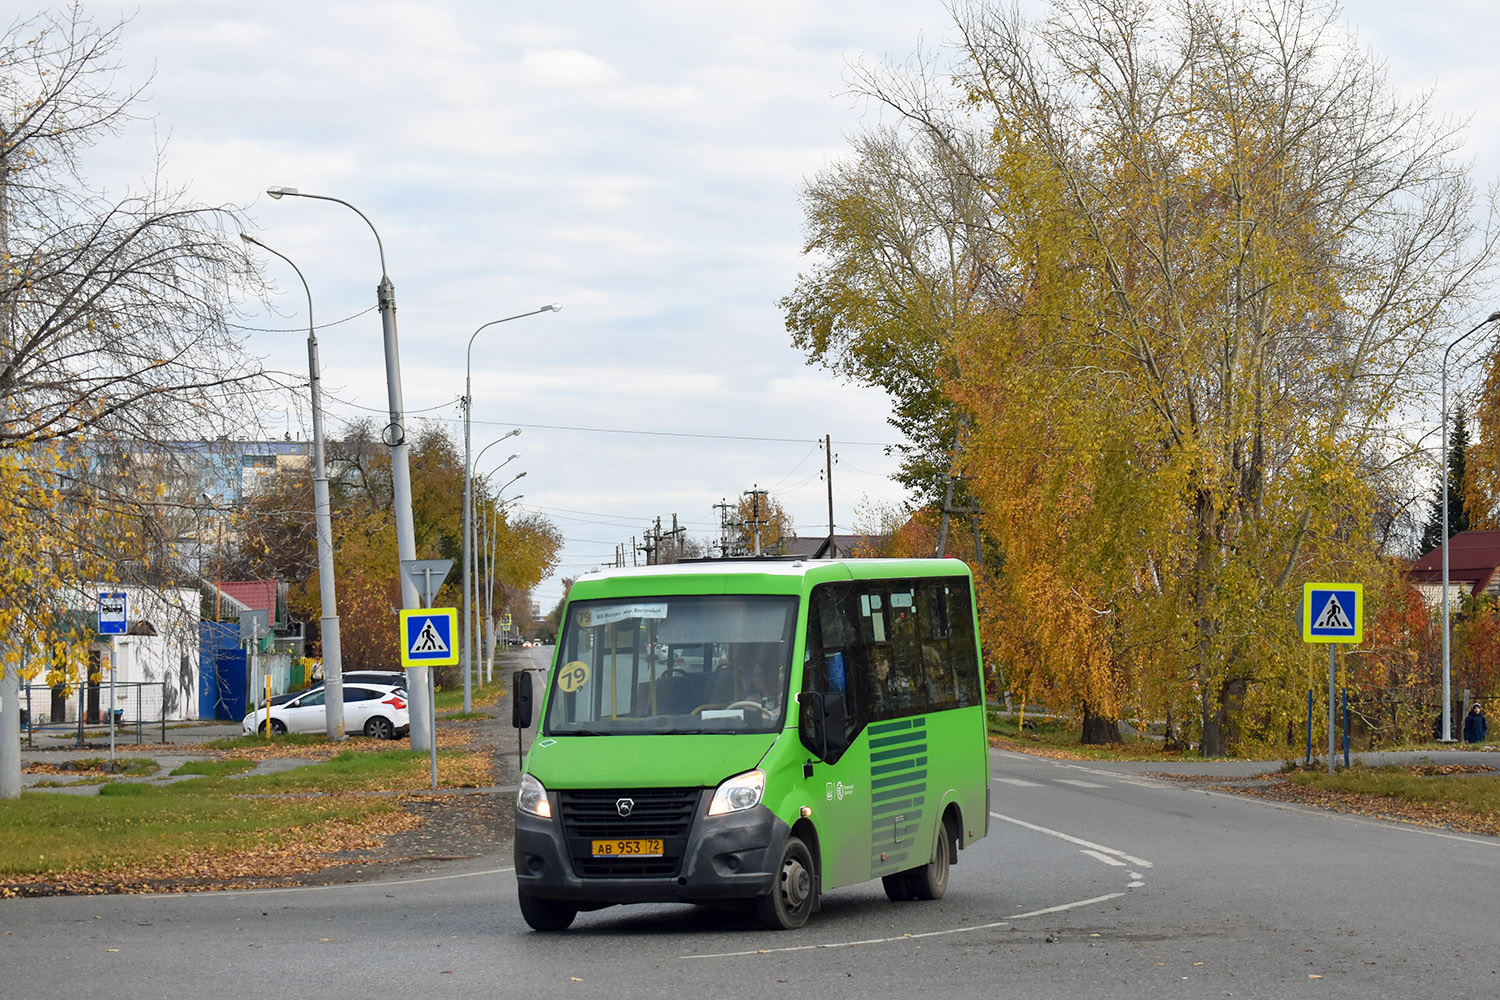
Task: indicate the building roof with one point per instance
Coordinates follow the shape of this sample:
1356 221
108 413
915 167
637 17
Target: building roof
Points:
1473 558
816 546
256 595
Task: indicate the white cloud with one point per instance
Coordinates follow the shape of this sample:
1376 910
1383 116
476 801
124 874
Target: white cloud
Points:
638 162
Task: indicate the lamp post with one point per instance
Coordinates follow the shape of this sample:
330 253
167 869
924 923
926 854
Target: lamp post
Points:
333 670
489 563
1447 625
488 560
418 682
468 527
471 557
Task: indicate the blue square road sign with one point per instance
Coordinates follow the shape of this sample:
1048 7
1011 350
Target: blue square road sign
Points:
1333 612
427 637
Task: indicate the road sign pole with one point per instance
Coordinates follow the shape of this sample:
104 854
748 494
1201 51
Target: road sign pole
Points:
113 662
1332 667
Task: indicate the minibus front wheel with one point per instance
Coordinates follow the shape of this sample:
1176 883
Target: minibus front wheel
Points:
546 914
794 895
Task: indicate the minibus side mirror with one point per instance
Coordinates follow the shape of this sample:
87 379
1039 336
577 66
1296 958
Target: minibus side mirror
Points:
821 724
835 726
520 699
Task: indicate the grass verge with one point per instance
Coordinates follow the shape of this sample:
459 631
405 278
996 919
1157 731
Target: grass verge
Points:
222 825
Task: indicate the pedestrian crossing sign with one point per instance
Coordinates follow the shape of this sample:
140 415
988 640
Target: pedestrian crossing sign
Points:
427 637
1333 612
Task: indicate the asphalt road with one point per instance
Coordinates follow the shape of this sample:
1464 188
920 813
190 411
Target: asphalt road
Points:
1095 882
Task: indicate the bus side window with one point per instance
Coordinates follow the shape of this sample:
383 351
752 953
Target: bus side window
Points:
962 649
835 662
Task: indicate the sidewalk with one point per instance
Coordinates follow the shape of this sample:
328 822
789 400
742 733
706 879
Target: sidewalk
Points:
184 740
1485 755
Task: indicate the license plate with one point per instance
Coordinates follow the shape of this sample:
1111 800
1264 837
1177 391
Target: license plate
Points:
627 848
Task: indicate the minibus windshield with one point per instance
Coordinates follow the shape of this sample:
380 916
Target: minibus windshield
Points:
677 664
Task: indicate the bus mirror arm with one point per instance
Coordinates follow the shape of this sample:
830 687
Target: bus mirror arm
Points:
520 700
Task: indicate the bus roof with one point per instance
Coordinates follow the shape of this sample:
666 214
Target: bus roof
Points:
773 575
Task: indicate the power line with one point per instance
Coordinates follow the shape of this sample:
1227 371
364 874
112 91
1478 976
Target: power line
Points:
682 434
299 329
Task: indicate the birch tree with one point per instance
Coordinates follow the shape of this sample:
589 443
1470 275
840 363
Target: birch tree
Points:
113 338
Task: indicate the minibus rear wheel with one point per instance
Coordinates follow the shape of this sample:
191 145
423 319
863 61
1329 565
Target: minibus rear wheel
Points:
931 880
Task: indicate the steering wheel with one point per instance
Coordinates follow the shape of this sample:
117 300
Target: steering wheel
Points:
672 672
748 704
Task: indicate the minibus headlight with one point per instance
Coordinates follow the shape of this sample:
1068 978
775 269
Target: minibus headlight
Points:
532 798
739 793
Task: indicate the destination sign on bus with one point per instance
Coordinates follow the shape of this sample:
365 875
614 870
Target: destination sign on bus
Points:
611 613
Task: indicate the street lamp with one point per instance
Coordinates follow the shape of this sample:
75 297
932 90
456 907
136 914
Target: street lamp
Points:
468 554
471 558
473 538
1447 625
333 671
418 682
489 564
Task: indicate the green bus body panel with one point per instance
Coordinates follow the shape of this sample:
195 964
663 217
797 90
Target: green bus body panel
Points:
648 761
875 810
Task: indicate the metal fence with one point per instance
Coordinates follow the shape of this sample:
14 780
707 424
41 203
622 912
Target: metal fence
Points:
82 711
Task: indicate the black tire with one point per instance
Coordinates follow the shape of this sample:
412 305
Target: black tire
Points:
378 727
278 728
795 894
898 887
931 880
546 915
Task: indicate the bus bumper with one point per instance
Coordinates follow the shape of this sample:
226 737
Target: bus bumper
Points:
725 857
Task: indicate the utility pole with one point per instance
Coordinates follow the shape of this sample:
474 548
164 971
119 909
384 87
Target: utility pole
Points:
755 493
652 543
828 458
942 539
726 548
676 535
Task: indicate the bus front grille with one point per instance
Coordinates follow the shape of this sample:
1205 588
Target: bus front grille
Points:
640 814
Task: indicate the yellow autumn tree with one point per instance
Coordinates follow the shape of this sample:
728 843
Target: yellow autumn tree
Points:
1217 256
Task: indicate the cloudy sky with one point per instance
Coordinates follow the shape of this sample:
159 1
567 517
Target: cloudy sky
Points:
638 163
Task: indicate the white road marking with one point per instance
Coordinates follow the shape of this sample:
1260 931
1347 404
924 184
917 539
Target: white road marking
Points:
897 939
1138 862
1076 783
1020 782
389 884
1100 856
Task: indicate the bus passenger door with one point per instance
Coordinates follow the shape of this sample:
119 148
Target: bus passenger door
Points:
838 775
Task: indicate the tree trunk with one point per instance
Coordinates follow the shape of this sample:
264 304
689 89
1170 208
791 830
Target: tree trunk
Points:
1221 718
1098 731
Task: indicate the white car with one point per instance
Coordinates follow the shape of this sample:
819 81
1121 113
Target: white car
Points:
377 710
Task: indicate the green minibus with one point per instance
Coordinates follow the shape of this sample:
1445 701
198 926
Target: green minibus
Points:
753 730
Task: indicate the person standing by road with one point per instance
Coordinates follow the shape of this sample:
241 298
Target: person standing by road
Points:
1475 725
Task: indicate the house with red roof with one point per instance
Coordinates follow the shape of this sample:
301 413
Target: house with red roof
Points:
1473 568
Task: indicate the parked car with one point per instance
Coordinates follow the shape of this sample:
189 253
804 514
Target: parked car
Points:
377 710
395 678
